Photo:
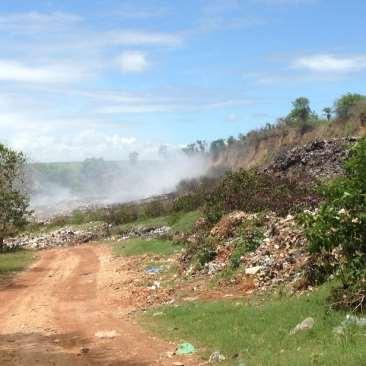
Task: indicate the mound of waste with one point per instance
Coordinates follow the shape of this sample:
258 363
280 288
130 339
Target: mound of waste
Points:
142 231
320 159
66 236
280 257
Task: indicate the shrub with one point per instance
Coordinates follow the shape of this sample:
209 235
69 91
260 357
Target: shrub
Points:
250 237
340 223
344 105
254 192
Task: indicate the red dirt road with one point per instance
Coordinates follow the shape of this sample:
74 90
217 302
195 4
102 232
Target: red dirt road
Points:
51 313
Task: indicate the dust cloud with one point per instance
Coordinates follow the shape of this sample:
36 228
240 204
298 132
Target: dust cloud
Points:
58 188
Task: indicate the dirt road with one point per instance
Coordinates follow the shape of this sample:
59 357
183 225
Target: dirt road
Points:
67 309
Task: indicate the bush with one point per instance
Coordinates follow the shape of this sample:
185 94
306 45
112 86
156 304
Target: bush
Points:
254 192
250 237
340 224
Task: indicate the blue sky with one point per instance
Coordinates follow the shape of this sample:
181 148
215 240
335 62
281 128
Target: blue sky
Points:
100 78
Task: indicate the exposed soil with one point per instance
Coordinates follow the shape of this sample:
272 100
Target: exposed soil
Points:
51 314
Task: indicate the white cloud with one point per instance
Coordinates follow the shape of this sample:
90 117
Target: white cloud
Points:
144 38
132 62
330 63
36 22
18 72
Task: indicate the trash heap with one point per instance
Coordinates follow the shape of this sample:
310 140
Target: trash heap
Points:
317 160
279 259
282 256
66 236
141 231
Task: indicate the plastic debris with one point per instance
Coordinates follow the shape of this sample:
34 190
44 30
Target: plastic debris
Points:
153 269
354 320
306 324
185 349
216 357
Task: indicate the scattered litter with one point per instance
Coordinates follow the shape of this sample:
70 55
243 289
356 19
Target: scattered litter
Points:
153 269
106 334
252 270
354 320
306 324
155 286
185 349
159 313
216 357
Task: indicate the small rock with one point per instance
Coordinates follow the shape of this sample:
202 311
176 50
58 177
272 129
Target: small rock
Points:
84 350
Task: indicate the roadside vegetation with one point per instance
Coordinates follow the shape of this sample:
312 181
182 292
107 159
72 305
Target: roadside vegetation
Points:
328 217
257 331
13 262
135 247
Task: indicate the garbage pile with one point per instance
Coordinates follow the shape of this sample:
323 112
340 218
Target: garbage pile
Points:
320 159
141 231
279 259
66 236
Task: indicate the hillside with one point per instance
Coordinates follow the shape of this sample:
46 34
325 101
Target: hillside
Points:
258 147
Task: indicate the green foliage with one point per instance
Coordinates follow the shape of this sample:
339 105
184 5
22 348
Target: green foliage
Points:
301 110
253 192
257 332
250 236
216 148
328 113
135 247
200 251
197 148
206 251
341 220
14 261
14 201
340 223
344 105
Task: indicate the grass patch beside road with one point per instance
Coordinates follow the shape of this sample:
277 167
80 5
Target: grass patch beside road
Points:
257 332
182 221
14 262
135 247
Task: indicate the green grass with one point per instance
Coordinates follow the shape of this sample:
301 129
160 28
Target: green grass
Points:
185 221
134 247
257 332
14 262
181 221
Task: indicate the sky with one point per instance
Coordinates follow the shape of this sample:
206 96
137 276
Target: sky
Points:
103 78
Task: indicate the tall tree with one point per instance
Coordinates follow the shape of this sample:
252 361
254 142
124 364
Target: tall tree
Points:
14 200
301 110
344 104
328 113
